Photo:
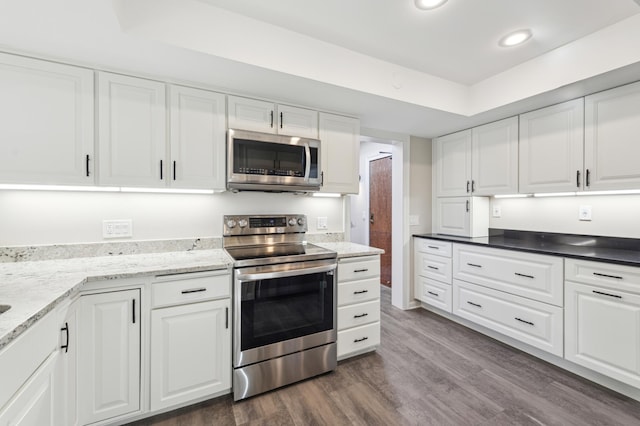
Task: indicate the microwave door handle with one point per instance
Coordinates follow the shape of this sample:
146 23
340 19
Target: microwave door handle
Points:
307 169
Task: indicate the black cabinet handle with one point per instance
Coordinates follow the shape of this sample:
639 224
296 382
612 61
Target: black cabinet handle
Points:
281 120
226 317
473 186
433 294
578 178
434 247
134 310
87 164
161 174
607 294
174 170
360 291
361 270
474 304
588 178
467 206
272 119
467 186
607 276
360 340
526 322
432 267
360 315
194 290
524 275
474 265
65 329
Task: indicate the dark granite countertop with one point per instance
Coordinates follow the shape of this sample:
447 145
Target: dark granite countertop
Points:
624 251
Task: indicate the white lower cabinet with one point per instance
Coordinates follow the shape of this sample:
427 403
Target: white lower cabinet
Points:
358 305
190 352
432 272
536 323
108 355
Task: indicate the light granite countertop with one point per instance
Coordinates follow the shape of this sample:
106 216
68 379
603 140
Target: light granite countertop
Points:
35 288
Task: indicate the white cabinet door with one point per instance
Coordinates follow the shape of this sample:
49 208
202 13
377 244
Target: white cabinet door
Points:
603 331
197 138
108 355
612 149
66 391
251 114
47 122
462 216
494 154
295 121
551 148
190 352
340 145
34 404
132 131
452 169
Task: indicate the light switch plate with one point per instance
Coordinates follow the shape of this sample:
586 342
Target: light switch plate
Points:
414 220
121 228
584 213
497 211
322 222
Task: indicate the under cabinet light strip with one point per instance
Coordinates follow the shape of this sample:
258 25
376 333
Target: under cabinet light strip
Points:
167 190
72 188
512 196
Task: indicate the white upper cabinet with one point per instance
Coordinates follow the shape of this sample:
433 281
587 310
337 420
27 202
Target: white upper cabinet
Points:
47 122
612 145
267 117
132 131
494 158
551 148
452 156
197 138
340 156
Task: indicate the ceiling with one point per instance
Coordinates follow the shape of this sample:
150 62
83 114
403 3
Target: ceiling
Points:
457 42
400 70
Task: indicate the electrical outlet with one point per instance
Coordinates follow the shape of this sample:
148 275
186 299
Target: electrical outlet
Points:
497 211
322 222
584 213
117 228
414 220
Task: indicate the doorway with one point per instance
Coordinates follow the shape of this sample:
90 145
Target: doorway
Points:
380 203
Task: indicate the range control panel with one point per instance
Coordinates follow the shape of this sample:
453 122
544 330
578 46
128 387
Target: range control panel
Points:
264 224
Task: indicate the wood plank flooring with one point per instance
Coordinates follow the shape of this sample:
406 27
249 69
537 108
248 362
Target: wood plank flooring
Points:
427 371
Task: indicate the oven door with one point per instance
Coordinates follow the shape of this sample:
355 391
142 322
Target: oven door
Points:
282 309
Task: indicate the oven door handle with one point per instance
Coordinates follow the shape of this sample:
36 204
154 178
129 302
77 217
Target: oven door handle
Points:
282 274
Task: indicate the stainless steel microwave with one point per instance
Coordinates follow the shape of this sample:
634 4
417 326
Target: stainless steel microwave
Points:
267 162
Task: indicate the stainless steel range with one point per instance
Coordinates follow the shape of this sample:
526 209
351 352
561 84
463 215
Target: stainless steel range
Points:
284 320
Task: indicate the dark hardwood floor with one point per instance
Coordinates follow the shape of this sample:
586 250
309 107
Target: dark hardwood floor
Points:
427 371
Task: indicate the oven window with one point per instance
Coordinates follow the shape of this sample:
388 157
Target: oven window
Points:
264 158
279 309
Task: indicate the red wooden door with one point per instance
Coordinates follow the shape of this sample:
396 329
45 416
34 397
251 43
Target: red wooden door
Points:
380 213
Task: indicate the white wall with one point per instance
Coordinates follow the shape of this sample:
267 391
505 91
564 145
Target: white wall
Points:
420 184
47 217
612 215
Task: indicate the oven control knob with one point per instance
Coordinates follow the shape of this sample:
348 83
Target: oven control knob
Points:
231 223
293 221
300 221
243 223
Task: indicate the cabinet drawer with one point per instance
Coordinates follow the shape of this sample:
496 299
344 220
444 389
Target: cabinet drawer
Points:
434 293
358 314
187 288
358 291
358 268
437 247
535 323
358 339
609 275
434 267
535 276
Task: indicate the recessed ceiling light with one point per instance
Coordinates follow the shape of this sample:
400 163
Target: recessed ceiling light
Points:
515 38
429 4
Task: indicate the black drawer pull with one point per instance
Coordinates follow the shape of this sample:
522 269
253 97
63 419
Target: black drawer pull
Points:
524 275
360 291
360 340
474 265
66 345
434 247
361 315
194 290
361 270
607 276
87 164
526 322
433 294
432 267
474 304
607 294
